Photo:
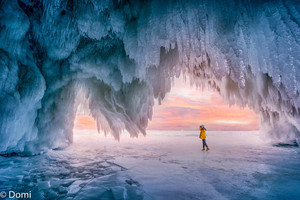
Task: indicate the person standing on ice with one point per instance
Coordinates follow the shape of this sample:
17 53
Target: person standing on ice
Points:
202 136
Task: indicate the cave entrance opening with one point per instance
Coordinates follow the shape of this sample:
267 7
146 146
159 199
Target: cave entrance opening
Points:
84 122
185 107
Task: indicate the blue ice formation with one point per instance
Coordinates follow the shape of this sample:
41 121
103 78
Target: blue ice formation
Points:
122 55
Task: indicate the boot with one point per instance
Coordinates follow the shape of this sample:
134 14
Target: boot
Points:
203 149
207 149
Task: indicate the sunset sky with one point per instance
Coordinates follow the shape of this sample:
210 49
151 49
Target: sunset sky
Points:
185 108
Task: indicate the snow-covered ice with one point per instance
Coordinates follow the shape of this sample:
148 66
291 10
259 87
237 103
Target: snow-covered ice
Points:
162 165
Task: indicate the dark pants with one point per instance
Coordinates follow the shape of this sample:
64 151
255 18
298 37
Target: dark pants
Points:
204 144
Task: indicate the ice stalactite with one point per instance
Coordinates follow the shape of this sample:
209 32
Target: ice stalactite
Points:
123 55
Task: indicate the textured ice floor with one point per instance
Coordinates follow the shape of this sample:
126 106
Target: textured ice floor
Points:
163 165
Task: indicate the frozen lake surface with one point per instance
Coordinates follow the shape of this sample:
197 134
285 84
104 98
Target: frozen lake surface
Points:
162 165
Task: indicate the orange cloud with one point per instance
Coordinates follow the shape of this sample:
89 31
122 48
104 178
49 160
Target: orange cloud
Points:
84 122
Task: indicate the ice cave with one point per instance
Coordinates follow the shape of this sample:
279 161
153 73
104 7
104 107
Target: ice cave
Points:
124 54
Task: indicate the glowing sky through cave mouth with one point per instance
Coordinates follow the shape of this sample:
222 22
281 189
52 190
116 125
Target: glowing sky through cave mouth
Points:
185 107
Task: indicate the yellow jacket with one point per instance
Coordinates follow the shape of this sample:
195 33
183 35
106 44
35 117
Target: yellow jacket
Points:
202 135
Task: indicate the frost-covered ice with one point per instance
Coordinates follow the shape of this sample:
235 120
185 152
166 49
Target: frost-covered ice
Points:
124 54
163 165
